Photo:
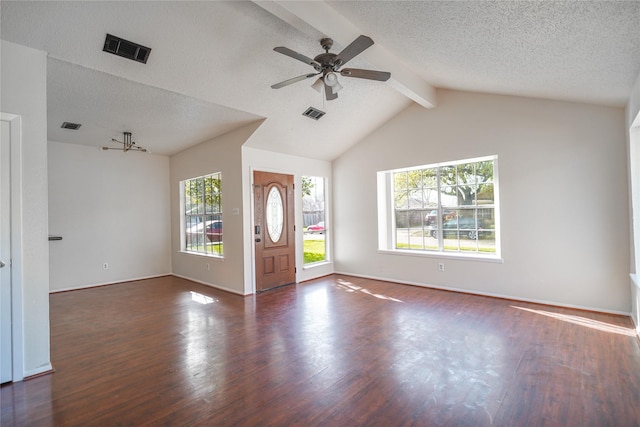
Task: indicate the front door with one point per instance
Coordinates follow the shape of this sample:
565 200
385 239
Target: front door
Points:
274 230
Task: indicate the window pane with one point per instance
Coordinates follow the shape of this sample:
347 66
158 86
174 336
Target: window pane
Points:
484 171
466 195
466 173
208 200
400 181
402 229
401 200
274 214
414 179
431 197
448 175
313 215
485 194
415 199
448 196
429 178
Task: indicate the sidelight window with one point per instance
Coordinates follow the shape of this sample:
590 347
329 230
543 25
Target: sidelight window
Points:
314 221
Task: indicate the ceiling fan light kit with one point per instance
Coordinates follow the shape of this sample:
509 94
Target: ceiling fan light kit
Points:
328 64
318 85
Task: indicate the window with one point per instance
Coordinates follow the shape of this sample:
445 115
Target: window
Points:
202 214
444 208
313 214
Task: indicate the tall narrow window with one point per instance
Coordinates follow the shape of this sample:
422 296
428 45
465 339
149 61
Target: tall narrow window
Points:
202 214
449 207
313 212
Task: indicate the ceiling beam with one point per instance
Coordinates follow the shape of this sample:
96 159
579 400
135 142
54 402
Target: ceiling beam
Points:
317 16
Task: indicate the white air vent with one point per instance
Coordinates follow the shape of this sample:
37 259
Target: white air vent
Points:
126 49
69 125
313 113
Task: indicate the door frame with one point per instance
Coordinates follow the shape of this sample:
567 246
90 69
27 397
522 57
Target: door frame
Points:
253 223
17 327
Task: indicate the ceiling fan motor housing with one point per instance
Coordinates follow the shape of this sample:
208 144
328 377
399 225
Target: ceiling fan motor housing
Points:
326 43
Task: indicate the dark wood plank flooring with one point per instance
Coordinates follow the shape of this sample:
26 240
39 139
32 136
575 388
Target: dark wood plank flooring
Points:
337 351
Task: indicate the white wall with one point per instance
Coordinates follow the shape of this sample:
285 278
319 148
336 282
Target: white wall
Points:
222 154
259 160
109 207
563 193
24 93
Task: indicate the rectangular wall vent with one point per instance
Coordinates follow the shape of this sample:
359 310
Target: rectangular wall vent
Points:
126 49
313 113
69 125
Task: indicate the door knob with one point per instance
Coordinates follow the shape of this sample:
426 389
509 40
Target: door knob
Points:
1 264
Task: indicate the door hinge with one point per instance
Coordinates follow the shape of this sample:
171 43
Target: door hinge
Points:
295 269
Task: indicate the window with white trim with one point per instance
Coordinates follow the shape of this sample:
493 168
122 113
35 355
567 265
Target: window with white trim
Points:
313 216
443 208
202 214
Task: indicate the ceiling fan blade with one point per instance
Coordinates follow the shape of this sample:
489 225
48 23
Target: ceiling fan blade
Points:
293 80
354 49
295 55
382 76
328 92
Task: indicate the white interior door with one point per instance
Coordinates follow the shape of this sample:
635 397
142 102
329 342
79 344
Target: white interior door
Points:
6 365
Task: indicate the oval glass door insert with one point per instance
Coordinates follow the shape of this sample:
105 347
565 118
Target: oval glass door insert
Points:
274 214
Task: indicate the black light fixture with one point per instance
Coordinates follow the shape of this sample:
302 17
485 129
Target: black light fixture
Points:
127 145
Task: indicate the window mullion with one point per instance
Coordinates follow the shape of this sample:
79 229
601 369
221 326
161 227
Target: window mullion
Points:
440 233
204 214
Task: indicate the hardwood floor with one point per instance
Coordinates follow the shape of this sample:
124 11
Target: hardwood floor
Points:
337 351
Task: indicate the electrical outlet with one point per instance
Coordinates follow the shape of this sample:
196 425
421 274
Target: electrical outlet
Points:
441 267
105 266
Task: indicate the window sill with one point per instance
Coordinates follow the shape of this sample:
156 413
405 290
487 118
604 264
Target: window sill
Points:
316 264
220 257
445 255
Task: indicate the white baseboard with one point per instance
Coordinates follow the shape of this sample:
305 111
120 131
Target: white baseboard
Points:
95 285
489 294
635 282
211 285
35 372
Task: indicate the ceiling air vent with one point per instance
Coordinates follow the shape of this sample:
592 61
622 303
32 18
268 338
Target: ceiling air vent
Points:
126 49
69 125
313 113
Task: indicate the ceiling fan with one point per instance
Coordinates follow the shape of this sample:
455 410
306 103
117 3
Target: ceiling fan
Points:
328 64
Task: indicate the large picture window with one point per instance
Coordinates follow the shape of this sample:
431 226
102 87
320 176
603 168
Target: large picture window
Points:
448 207
202 216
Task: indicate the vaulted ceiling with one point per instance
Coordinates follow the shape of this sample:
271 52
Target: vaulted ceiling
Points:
212 64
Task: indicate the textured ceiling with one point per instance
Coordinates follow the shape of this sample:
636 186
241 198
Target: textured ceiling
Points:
163 121
587 51
212 63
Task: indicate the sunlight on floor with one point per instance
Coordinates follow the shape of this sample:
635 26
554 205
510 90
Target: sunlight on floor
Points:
350 287
202 299
583 321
